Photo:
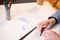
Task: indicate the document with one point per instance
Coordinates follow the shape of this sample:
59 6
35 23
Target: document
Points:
35 35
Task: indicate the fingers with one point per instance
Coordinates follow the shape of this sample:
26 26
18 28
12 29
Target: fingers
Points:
48 35
51 35
49 26
42 25
46 24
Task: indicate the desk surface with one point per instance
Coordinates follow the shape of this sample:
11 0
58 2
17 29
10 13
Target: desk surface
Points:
14 29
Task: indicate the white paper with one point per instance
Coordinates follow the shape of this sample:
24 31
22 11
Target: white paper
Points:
35 35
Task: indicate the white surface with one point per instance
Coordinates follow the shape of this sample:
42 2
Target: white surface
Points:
35 35
24 17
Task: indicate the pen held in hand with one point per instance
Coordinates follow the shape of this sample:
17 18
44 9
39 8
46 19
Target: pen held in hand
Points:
42 31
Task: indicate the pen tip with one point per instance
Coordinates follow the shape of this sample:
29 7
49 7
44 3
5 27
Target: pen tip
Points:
40 33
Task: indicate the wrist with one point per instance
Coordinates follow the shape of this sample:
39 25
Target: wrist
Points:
53 20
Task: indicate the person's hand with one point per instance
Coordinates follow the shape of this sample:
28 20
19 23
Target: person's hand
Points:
46 24
51 35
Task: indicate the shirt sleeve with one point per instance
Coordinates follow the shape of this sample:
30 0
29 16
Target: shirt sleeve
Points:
56 16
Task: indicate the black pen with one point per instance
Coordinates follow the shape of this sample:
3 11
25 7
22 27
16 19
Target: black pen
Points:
42 31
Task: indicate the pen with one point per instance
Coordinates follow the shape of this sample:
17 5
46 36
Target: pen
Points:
42 31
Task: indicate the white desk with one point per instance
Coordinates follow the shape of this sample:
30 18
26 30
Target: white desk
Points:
12 30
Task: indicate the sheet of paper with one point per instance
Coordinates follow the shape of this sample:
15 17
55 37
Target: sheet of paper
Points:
35 35
56 29
26 23
15 28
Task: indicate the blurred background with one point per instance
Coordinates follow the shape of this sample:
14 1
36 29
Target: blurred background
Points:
17 1
54 3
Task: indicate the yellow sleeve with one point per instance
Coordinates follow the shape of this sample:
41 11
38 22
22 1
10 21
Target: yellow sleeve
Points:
55 3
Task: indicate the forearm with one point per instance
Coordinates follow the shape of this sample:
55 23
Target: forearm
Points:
56 16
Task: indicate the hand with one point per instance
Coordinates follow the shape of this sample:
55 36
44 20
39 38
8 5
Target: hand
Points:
51 35
46 24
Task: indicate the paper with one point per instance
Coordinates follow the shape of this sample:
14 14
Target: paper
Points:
34 9
35 35
56 29
24 19
26 24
